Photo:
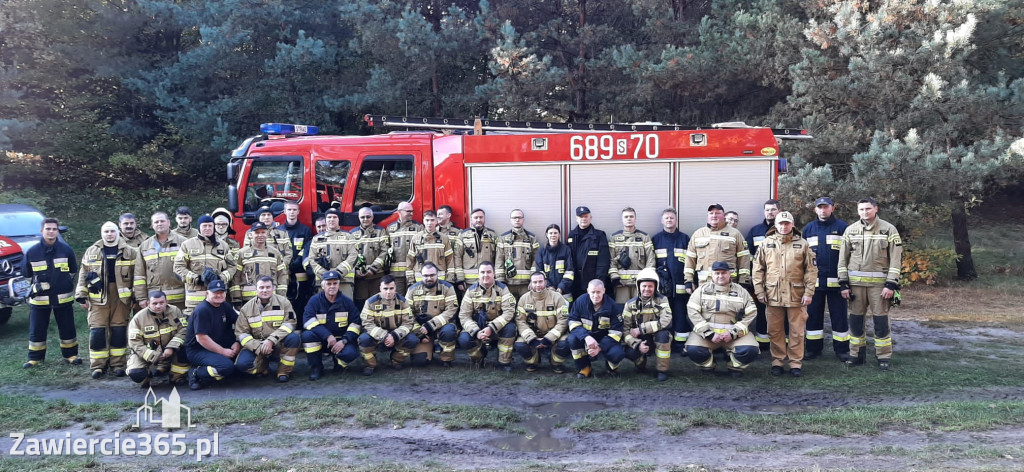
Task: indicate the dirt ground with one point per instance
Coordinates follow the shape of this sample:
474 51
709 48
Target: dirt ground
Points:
550 445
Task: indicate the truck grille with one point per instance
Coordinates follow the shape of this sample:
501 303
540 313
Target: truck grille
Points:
10 266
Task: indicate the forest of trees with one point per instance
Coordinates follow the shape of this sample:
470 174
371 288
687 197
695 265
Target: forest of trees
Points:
918 103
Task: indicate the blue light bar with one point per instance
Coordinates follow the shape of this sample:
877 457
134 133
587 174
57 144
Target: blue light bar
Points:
282 128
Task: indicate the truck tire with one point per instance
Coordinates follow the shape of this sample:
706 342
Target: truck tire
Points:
5 314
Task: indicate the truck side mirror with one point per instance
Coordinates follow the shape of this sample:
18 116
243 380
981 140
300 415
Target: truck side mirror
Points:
233 198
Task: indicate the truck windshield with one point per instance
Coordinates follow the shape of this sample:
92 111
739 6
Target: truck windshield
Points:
271 181
330 182
384 182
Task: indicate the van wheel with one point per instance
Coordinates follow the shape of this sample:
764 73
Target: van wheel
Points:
5 314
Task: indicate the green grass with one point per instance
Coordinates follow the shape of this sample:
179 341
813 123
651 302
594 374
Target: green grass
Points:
29 414
860 420
365 412
607 420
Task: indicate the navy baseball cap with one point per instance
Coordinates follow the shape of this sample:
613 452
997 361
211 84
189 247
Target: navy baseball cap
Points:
258 225
216 286
823 201
331 275
715 206
582 210
720 266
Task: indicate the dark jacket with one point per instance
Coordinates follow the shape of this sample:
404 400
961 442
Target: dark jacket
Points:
584 321
55 265
825 238
670 249
557 265
590 256
340 319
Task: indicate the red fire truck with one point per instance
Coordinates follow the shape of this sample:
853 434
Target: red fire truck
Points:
545 169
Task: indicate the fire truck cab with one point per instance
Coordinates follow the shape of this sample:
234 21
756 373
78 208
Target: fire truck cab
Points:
545 169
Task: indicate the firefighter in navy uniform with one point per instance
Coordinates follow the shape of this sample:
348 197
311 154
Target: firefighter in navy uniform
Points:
590 257
554 260
331 321
542 319
387 322
105 290
595 328
434 304
721 313
50 265
755 237
825 236
202 260
300 287
156 340
488 315
647 321
670 249
517 250
266 328
631 250
210 340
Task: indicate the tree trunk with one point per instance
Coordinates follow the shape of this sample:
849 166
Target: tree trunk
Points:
961 242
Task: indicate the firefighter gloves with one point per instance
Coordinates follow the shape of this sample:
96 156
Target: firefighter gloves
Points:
93 282
209 275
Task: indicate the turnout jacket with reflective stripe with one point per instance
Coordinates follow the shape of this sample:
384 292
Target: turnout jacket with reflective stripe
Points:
519 246
871 255
708 246
649 316
154 269
381 317
784 269
496 301
825 238
194 256
544 314
340 318
55 265
637 244
124 273
258 322
150 333
721 309
437 306
584 320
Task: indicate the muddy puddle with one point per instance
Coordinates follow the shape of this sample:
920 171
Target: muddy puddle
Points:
540 422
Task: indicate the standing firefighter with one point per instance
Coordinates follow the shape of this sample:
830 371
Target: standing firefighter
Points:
755 238
825 236
430 245
154 268
105 289
332 250
156 339
554 259
590 256
277 237
721 313
370 243
476 245
487 315
869 272
517 249
434 305
670 249
784 276
202 260
595 328
300 288
331 321
266 328
400 234
647 322
716 242
542 318
50 265
387 323
255 260
631 250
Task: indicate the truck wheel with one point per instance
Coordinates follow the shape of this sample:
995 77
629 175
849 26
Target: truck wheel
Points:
5 314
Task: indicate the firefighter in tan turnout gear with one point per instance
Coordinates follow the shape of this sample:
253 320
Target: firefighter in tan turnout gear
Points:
646 320
721 313
387 323
255 260
870 261
154 268
430 245
130 232
434 305
400 233
277 238
631 250
784 275
266 328
716 242
202 260
105 290
542 319
487 314
517 250
370 243
476 245
156 339
332 250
